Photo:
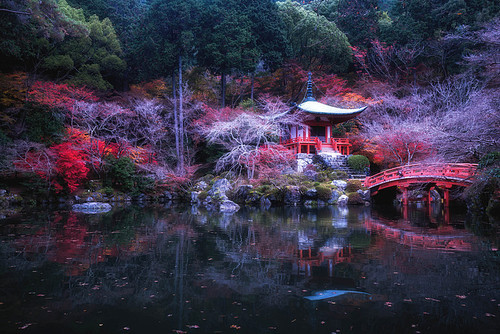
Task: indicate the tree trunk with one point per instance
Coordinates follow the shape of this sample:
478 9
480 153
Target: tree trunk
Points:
223 90
252 85
176 123
181 120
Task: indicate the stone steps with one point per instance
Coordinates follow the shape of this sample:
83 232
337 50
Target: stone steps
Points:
339 162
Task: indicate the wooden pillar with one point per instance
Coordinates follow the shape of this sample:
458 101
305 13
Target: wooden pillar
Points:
405 196
446 197
405 212
308 148
446 215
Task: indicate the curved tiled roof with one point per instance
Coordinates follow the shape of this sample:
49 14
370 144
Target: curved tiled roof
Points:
337 114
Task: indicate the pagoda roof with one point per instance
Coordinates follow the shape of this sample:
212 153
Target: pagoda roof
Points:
337 114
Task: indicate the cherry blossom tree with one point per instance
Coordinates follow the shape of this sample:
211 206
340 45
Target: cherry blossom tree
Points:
246 134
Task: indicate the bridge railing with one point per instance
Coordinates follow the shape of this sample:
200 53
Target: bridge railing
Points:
438 170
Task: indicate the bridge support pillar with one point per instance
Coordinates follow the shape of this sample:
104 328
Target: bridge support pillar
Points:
446 197
405 196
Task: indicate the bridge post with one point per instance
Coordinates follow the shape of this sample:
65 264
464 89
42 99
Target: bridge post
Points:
405 196
446 197
446 215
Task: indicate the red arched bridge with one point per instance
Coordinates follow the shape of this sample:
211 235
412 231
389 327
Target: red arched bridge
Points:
442 175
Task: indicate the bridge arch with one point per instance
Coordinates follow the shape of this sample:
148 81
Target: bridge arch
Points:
441 175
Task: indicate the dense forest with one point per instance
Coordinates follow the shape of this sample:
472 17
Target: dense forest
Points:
138 94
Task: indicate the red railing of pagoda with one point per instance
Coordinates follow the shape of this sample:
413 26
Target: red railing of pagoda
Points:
438 171
299 140
336 142
318 143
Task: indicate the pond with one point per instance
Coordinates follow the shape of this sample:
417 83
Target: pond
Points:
174 269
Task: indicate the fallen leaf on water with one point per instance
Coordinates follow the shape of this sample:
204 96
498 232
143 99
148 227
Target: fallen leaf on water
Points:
490 315
25 326
461 296
235 326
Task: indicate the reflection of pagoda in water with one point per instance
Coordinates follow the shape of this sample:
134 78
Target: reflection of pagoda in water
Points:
335 250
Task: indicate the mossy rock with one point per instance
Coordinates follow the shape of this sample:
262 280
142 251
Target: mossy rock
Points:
323 176
263 189
354 199
338 175
311 204
353 186
324 192
203 195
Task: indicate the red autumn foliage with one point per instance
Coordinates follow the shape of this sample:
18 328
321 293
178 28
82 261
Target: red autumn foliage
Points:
290 81
401 147
59 95
269 160
70 166
211 115
153 89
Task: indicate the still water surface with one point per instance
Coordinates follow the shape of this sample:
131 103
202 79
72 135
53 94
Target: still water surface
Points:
183 270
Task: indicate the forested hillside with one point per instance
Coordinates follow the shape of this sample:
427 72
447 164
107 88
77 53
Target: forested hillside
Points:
138 94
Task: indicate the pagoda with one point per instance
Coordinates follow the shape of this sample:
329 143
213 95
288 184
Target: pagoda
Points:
315 134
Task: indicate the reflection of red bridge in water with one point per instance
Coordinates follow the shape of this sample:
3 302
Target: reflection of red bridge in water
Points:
444 238
442 175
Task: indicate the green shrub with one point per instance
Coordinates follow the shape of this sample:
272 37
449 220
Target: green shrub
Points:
42 125
359 163
108 191
121 173
353 186
324 193
247 104
143 184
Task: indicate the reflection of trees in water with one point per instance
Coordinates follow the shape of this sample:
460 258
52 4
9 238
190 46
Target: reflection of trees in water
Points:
179 263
